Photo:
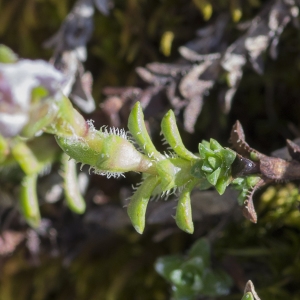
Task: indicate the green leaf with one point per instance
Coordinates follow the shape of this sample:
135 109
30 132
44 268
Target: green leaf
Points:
206 167
183 216
248 296
215 162
71 187
205 144
30 157
170 131
138 130
29 200
176 277
242 196
228 156
197 264
252 180
215 146
201 248
192 276
80 150
188 277
166 264
26 158
238 181
213 177
205 152
216 283
138 203
221 185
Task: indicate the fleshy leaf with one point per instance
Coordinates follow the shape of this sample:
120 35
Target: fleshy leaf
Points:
183 216
228 155
216 283
206 167
138 130
138 203
213 177
166 264
221 185
30 157
215 162
206 144
215 146
73 195
29 200
172 135
252 180
204 151
248 296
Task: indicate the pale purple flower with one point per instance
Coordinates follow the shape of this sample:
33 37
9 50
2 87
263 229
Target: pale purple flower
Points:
17 81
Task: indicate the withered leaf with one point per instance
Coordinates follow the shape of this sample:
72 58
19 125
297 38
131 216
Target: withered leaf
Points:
249 288
294 150
192 112
256 44
191 85
168 69
193 56
237 139
176 101
151 78
248 208
193 89
82 92
233 62
284 152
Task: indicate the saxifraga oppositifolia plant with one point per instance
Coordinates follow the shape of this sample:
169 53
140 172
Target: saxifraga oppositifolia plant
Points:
113 152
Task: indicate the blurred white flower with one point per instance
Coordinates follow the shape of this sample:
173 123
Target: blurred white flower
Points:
17 81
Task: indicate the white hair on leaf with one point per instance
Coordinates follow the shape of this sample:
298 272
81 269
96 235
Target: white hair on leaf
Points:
108 174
